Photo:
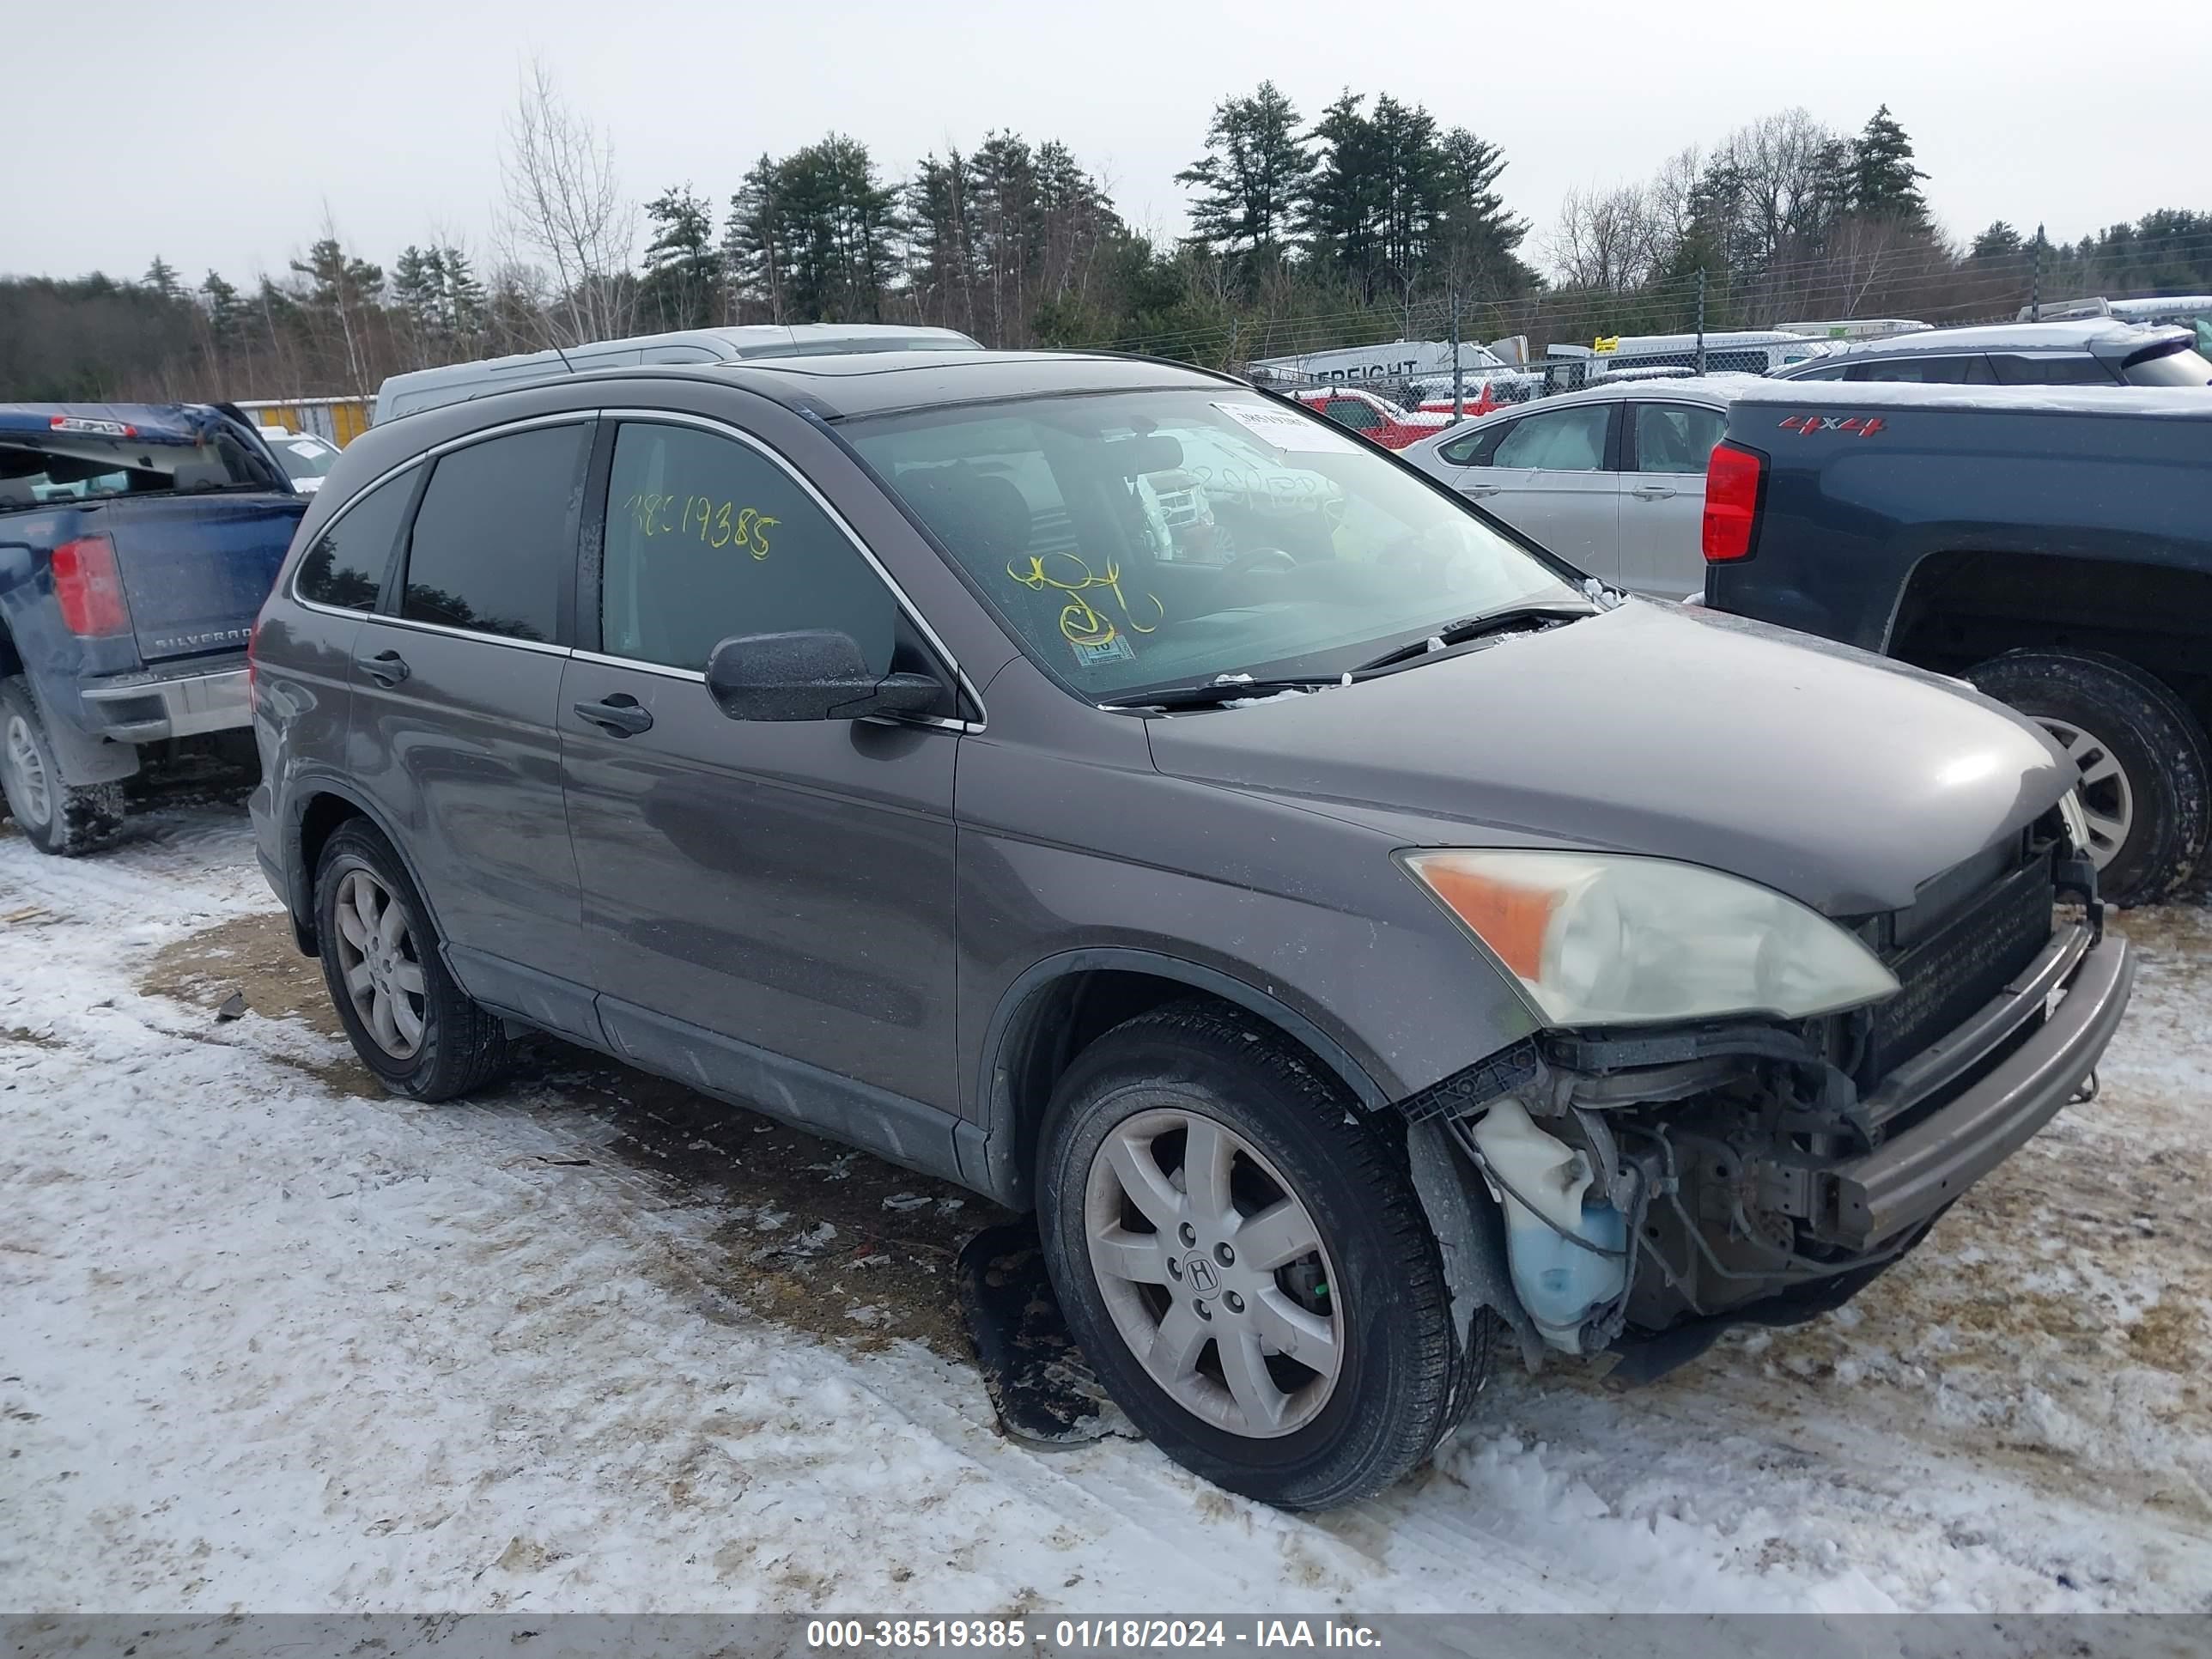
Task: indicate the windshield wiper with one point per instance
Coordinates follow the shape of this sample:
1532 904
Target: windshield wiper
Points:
1473 628
1212 694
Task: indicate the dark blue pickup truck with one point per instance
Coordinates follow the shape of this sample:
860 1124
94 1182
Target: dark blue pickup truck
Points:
2052 545
137 543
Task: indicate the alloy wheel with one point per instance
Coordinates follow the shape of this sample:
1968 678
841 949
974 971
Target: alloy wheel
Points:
28 768
1214 1273
2108 800
382 968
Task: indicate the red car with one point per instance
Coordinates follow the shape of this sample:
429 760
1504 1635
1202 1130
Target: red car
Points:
1373 417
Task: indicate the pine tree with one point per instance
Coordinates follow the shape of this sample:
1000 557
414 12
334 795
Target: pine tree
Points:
227 313
682 270
1252 176
1999 241
1883 182
162 277
1341 213
1476 232
753 248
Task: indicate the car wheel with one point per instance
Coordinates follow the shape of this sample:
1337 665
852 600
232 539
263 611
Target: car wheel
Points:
55 817
2144 776
1243 1257
409 1023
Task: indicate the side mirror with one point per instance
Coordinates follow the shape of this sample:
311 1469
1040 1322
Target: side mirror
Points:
816 674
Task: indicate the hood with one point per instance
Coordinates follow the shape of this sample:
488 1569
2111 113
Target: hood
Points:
1836 777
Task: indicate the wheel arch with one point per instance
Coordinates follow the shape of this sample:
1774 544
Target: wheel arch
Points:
1961 607
317 808
1061 1003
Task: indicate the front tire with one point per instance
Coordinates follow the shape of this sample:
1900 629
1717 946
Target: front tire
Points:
55 817
1242 1255
2145 782
409 1023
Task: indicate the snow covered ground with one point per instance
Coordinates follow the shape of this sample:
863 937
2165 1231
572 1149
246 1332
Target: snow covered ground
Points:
270 1340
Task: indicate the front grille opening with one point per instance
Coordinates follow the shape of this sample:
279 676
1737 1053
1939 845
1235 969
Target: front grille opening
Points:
1958 966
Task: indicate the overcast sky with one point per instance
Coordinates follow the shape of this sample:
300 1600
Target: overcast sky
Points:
221 141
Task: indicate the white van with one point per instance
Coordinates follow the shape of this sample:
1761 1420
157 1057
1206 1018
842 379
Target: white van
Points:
2163 308
1740 351
427 388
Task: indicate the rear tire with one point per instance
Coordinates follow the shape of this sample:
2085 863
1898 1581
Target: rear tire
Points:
65 819
1306 1382
409 1023
2146 783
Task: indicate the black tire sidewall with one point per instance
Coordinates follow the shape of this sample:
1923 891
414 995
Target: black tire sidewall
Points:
80 817
14 701
423 1075
1380 1406
2150 736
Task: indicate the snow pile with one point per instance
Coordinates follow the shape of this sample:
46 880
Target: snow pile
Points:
271 1345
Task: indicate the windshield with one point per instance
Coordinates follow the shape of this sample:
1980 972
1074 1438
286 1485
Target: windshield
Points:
1146 539
304 457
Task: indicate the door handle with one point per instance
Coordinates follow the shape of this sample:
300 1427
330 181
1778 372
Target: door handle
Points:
1652 492
386 667
619 716
1480 489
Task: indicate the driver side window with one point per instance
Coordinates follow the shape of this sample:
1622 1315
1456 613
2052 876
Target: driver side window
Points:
708 537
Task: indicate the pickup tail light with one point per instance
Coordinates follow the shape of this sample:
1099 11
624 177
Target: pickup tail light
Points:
1736 477
90 586
252 679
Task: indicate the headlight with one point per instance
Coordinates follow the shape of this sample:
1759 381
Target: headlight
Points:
1599 940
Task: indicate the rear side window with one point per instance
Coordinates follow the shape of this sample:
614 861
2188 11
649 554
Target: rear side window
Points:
495 539
347 565
1969 369
2050 371
706 538
1676 437
1349 411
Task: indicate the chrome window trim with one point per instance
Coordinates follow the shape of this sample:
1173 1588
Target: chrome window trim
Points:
292 584
544 647
429 456
724 429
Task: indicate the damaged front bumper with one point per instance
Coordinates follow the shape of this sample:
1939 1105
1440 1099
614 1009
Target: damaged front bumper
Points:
1758 1183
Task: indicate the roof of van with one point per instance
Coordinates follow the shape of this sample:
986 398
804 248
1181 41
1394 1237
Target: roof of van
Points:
2068 336
427 388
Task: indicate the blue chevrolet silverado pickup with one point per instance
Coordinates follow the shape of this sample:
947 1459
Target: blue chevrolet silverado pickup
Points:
137 543
2051 545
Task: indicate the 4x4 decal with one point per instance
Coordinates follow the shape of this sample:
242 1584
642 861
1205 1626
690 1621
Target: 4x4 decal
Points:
1808 424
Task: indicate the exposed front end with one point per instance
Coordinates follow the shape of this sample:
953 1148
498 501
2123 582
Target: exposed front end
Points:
1661 1183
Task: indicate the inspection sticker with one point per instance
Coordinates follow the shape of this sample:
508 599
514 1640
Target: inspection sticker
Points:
1286 429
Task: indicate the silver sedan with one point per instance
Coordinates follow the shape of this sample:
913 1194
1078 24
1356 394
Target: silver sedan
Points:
1611 478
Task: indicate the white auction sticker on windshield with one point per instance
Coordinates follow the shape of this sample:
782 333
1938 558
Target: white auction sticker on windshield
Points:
1286 429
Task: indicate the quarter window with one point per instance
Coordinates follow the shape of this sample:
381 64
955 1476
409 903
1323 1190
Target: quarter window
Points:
1676 437
1476 447
494 540
347 565
708 538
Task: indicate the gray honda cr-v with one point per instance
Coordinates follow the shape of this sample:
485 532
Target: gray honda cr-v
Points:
1368 948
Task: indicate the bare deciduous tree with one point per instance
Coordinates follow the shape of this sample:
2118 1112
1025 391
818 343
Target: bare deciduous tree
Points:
1606 239
567 215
